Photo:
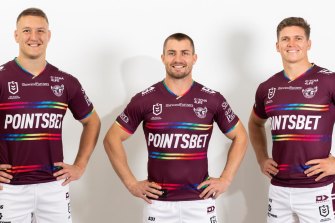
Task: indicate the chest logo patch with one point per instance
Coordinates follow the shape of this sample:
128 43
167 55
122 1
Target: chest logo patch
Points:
157 109
271 92
58 90
200 112
13 87
310 92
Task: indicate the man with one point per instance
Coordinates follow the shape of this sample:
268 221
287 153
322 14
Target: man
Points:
299 101
178 115
34 98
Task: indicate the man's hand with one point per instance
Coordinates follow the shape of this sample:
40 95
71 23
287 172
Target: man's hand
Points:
213 187
5 177
145 190
269 167
324 167
68 172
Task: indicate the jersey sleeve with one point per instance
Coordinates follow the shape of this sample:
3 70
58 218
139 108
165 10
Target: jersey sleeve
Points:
131 117
79 103
259 107
224 116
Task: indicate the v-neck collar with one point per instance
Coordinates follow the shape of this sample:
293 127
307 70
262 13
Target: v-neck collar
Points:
301 75
173 94
26 71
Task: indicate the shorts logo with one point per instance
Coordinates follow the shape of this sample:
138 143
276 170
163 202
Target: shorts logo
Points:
57 90
213 219
13 87
200 112
157 109
324 210
210 209
151 219
309 92
321 198
271 92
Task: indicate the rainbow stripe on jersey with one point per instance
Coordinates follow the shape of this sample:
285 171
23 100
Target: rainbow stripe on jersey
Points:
307 107
26 137
177 125
301 137
178 156
40 104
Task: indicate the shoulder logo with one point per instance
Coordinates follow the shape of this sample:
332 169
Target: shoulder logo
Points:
58 90
325 71
310 92
148 90
157 109
124 117
13 87
207 90
271 92
2 68
200 112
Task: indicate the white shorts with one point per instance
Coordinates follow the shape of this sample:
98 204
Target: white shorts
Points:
303 205
198 211
35 203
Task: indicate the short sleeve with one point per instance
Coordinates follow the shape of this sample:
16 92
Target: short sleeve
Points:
259 107
79 103
224 115
131 117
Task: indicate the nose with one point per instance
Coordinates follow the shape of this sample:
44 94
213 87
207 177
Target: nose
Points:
33 35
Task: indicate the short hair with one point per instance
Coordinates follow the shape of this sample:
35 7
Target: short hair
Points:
32 12
294 21
179 37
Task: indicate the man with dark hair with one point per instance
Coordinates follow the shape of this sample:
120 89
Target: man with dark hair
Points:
34 98
178 115
299 101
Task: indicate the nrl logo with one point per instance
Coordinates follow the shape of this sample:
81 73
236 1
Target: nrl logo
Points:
200 112
309 92
157 109
271 92
13 87
324 210
57 90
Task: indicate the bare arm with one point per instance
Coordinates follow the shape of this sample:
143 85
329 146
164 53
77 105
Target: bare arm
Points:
117 155
258 140
217 186
88 140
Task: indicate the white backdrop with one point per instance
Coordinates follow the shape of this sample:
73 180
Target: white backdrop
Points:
114 47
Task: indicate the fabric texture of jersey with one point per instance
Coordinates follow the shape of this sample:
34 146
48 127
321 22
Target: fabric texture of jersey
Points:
301 114
31 114
177 132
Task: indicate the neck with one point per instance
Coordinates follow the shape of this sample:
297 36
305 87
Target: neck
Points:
33 66
294 70
178 86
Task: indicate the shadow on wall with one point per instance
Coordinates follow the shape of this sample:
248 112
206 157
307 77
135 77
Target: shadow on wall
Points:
108 199
250 184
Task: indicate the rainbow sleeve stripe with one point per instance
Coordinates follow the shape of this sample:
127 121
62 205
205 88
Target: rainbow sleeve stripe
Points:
26 137
123 128
41 104
308 107
300 137
90 113
178 156
177 125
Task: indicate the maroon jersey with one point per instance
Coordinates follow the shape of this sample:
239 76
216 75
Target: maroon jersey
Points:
177 131
301 114
31 114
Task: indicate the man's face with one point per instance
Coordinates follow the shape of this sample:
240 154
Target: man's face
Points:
178 58
293 44
33 35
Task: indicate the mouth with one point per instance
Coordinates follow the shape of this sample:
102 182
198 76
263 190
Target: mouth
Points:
178 66
292 51
34 44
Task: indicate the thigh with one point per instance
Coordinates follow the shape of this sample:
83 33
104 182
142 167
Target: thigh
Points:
161 212
16 203
314 204
279 207
52 203
199 211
